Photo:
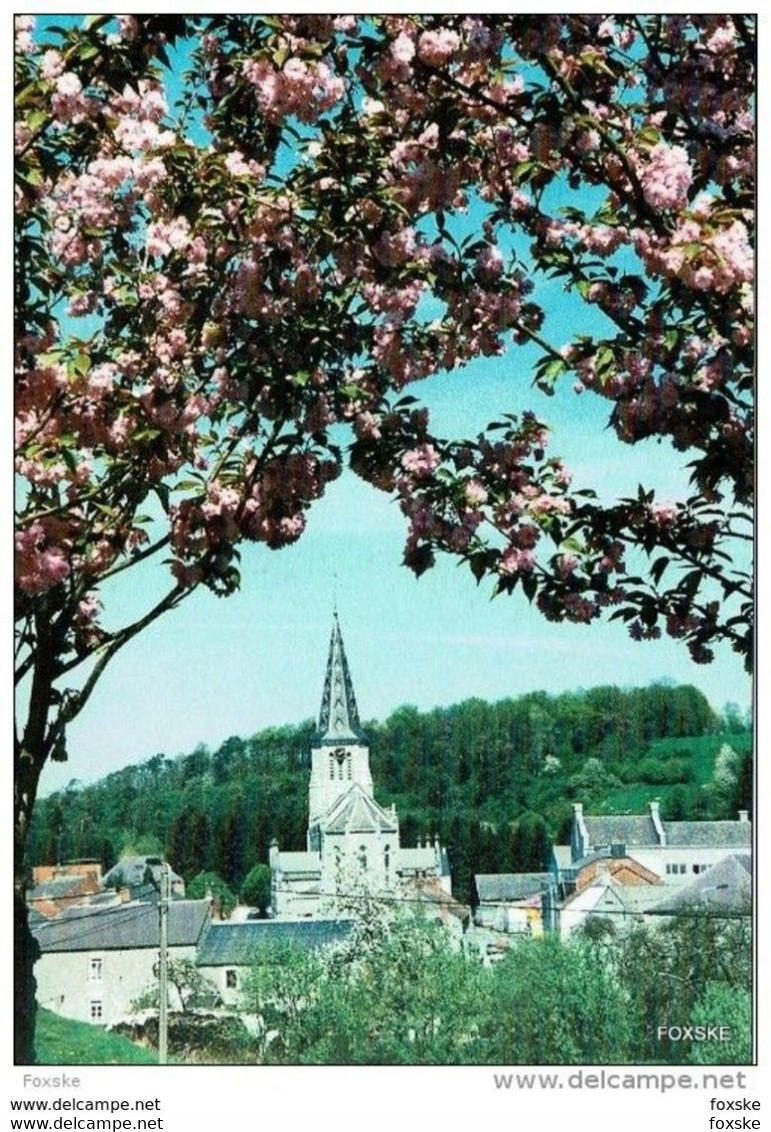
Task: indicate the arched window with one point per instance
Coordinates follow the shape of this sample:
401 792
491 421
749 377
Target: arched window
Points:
363 858
340 769
387 857
348 764
331 766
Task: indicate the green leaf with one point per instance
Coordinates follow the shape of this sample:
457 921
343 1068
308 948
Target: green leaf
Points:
658 568
81 363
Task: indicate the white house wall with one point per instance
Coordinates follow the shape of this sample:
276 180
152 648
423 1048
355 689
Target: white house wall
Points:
65 985
657 859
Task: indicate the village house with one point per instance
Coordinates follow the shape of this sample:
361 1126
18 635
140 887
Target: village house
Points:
617 866
227 951
676 851
94 962
142 877
55 888
509 902
625 866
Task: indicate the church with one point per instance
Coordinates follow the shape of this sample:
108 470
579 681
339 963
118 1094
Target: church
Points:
353 843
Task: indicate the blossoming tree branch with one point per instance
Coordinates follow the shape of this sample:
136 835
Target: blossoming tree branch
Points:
222 273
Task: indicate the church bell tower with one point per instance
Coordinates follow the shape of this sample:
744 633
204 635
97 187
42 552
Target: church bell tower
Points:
340 752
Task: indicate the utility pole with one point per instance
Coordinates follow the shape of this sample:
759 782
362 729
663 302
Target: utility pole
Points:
163 973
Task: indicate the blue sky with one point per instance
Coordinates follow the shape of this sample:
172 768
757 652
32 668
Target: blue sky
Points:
218 667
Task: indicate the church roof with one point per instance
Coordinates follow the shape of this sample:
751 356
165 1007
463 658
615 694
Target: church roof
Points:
357 812
338 716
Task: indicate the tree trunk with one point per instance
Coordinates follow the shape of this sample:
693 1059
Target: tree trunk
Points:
25 954
25 947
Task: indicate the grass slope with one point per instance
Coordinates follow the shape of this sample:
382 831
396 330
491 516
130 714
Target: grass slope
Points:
699 750
60 1041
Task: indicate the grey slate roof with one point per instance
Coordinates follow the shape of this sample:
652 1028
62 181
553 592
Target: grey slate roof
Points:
635 831
130 872
706 834
509 886
357 812
122 926
726 887
237 945
58 887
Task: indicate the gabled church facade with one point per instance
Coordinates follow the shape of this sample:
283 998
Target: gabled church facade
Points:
353 843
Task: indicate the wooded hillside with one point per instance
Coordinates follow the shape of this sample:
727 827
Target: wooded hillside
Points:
495 781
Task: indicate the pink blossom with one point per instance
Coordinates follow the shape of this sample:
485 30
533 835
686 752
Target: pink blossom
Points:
68 84
421 461
475 493
736 260
23 27
666 176
128 27
436 47
38 565
489 263
664 514
164 236
403 49
52 66
515 561
567 564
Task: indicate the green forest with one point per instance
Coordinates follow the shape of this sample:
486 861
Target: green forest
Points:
494 781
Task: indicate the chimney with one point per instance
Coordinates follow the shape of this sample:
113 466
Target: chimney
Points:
744 815
579 838
656 819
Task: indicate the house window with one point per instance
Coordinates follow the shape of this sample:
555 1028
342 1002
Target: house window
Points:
95 969
231 979
676 869
95 1010
348 763
363 858
331 767
387 857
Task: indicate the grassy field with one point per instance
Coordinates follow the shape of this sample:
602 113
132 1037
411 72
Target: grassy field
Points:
60 1041
633 797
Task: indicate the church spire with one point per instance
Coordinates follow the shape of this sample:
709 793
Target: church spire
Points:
338 716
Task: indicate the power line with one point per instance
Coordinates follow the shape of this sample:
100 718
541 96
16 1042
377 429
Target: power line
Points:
117 915
384 899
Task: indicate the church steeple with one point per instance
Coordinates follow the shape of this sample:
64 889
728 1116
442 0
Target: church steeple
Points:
338 715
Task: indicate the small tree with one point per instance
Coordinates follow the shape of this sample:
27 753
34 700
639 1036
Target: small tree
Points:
256 889
193 990
206 883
